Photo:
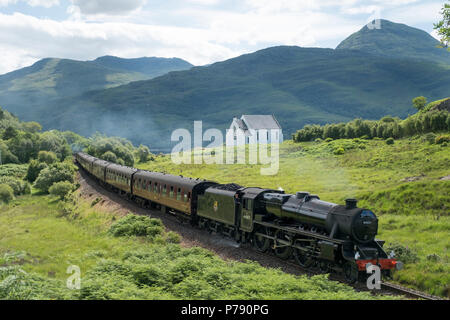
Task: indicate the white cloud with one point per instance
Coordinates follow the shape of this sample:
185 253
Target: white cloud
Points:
33 3
113 7
4 3
201 33
81 40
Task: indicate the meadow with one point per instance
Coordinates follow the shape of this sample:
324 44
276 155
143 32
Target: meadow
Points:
128 258
406 184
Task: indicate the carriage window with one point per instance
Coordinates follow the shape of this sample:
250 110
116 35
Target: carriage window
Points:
171 192
156 187
179 194
165 190
149 187
189 196
185 197
245 205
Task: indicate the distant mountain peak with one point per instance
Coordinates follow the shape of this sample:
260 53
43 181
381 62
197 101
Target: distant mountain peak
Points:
396 40
150 66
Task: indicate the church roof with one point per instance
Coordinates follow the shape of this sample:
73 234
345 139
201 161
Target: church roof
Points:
258 122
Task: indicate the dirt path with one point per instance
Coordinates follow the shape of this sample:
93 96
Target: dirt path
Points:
227 249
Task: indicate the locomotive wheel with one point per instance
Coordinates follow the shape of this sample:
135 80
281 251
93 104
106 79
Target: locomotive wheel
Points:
324 267
303 259
351 272
283 252
261 243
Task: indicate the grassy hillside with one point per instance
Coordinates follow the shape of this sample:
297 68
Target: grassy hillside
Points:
396 40
41 238
402 183
30 91
151 67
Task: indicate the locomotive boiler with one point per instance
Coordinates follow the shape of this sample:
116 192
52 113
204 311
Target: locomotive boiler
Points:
337 221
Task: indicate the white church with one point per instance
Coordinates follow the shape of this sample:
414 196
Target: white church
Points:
254 129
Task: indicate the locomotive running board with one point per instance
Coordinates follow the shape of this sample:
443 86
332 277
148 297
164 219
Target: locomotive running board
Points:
296 231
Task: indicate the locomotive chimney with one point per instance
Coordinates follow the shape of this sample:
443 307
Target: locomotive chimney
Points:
351 203
302 194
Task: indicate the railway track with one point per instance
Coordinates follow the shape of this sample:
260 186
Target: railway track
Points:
386 287
391 287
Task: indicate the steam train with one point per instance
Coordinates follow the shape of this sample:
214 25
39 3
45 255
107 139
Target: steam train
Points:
317 234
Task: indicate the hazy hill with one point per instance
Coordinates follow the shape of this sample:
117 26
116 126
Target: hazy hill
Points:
396 40
30 90
151 67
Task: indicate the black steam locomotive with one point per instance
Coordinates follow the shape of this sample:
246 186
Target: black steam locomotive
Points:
317 234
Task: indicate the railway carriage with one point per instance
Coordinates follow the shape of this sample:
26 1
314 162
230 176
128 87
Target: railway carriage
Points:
85 161
174 192
99 169
120 177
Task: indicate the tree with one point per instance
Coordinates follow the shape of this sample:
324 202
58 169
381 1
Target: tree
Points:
57 172
34 169
443 26
61 189
32 127
10 133
143 153
6 193
109 156
47 157
419 103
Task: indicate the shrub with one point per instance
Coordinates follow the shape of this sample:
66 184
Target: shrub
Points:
34 169
133 225
6 193
327 140
13 170
442 139
173 237
433 257
402 253
47 157
143 153
18 186
109 156
430 138
339 151
390 141
61 189
419 103
55 173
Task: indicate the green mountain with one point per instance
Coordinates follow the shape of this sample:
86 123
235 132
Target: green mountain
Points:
30 91
396 40
151 67
298 85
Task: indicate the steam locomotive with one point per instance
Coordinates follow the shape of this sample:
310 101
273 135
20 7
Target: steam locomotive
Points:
317 234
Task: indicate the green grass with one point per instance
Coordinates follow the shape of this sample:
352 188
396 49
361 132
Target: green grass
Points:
414 214
43 238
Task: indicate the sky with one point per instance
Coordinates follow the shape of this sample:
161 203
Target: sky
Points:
199 31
